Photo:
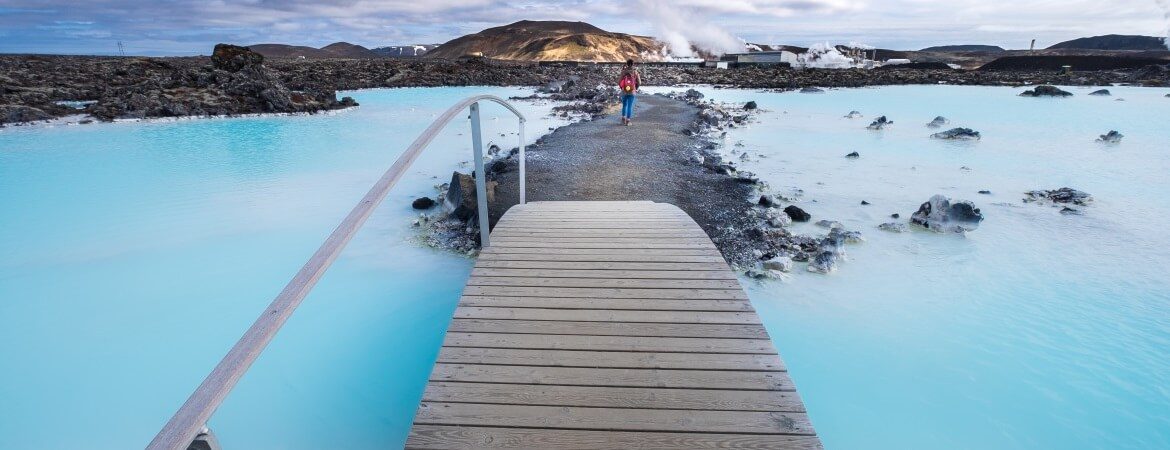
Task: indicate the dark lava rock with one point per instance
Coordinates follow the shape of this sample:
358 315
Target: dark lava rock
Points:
767 201
1046 91
939 214
853 114
461 195
692 94
895 215
234 58
347 102
1112 137
1062 195
853 155
985 192
880 123
1101 92
20 113
423 203
812 90
964 134
797 214
750 105
938 122
1067 211
863 202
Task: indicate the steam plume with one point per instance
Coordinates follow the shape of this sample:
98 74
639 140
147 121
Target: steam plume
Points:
681 28
1165 4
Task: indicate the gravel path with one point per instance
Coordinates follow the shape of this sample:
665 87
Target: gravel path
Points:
649 160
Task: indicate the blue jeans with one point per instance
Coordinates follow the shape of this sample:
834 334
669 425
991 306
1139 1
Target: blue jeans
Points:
628 106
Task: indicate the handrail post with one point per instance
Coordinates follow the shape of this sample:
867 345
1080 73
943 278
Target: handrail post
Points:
480 176
522 184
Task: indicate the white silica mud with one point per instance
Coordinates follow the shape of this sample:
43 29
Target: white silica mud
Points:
1045 327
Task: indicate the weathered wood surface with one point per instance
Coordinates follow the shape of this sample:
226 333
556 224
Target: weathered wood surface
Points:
607 325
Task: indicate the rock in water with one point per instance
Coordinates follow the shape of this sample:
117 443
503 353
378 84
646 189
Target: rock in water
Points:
1112 137
853 115
1046 91
1101 92
767 201
750 105
461 195
938 122
233 58
777 219
830 224
797 214
812 90
880 123
1062 195
894 227
423 203
939 214
853 155
780 263
692 94
824 262
965 134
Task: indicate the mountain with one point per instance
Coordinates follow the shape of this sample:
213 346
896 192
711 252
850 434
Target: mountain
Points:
528 40
405 51
1114 42
964 48
342 50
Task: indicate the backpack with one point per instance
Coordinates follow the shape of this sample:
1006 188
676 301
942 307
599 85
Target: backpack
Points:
627 84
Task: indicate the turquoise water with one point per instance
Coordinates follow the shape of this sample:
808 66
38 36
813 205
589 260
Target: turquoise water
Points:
1038 330
133 255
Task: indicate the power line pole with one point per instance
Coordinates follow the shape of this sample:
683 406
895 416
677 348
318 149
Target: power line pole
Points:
121 49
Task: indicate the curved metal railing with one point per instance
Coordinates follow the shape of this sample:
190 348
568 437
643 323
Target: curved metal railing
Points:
191 419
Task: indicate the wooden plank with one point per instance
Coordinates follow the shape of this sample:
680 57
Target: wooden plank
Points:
662 244
613 397
438 413
604 283
602 315
629 360
489 255
576 239
542 327
578 376
593 265
606 303
611 274
513 232
646 254
609 343
469 437
679 294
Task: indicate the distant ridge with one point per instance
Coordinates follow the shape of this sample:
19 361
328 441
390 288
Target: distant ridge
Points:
964 48
1114 42
529 40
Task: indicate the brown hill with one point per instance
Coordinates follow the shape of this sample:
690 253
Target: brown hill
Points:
528 40
342 50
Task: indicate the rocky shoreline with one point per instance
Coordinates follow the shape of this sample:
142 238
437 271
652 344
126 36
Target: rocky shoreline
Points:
236 81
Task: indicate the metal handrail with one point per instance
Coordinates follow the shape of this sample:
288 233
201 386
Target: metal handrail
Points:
190 420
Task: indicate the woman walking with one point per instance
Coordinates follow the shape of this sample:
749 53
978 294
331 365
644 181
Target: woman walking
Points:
629 83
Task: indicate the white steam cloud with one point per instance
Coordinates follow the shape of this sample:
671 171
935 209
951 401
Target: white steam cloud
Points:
1165 4
682 28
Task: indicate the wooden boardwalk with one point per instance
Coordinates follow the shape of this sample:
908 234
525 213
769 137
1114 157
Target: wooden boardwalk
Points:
607 325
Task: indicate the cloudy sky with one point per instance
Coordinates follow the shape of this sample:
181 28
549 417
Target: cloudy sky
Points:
191 27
